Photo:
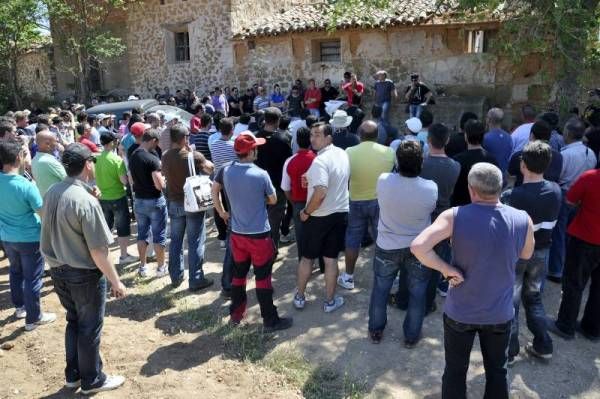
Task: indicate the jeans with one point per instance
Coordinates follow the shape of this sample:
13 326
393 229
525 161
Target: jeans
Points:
385 114
152 214
315 112
458 342
559 238
276 213
82 292
528 288
415 110
362 215
583 264
25 274
287 218
386 265
183 222
117 212
228 265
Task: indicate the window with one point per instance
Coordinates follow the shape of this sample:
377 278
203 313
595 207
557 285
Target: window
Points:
329 51
477 41
38 74
182 46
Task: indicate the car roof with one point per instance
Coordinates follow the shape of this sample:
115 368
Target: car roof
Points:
120 107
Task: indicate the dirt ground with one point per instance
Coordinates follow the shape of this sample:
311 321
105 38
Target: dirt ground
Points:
174 344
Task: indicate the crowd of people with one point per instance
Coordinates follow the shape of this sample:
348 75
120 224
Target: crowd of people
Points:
480 216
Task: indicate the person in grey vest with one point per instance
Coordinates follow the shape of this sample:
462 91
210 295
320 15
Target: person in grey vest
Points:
488 238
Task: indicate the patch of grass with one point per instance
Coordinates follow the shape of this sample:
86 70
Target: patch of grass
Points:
244 342
322 382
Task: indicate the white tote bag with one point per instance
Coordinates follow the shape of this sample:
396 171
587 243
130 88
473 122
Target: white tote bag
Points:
197 189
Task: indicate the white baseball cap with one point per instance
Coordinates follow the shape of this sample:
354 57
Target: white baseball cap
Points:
414 125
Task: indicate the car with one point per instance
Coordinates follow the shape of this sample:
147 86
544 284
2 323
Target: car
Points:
148 105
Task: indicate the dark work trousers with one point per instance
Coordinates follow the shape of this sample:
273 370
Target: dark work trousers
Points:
276 213
219 222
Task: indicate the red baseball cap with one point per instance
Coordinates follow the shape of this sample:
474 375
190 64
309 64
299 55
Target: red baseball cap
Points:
247 141
138 129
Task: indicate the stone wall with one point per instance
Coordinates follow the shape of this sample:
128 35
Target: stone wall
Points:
34 74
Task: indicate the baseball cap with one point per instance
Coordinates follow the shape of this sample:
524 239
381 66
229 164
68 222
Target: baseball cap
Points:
247 141
76 154
138 128
107 137
414 125
103 116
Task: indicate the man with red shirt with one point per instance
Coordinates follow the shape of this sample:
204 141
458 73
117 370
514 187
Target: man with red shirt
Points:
312 98
195 122
291 182
353 88
85 130
582 262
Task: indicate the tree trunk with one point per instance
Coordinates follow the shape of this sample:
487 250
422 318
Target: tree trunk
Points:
82 78
14 85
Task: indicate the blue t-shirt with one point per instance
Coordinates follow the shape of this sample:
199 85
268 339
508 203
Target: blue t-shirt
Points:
127 141
18 220
486 243
247 187
277 98
499 144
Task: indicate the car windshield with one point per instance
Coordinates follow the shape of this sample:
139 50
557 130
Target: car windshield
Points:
184 116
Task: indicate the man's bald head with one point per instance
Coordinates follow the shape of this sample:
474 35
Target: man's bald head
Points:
368 131
46 141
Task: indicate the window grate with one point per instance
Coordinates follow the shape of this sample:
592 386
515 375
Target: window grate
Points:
330 51
182 46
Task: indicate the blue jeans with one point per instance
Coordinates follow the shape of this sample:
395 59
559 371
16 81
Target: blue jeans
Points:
415 110
25 274
117 212
183 222
151 214
314 112
386 266
82 292
528 288
558 248
385 114
362 215
228 264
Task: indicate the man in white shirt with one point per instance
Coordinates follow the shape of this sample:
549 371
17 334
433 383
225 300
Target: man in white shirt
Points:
325 216
520 136
242 125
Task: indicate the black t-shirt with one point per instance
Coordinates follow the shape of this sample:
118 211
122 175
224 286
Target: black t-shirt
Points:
247 103
328 95
551 174
135 146
345 139
593 141
141 165
234 111
294 106
542 202
418 95
467 159
273 154
456 145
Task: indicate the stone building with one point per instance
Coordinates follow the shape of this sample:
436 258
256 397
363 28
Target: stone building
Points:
35 72
198 44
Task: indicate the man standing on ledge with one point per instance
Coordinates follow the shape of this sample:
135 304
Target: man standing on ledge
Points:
74 241
487 240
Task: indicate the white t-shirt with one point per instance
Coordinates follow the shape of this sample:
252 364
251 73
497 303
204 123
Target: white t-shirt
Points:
405 206
520 136
331 169
293 128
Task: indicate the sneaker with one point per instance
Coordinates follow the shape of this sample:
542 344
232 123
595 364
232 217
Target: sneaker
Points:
299 301
543 356
45 318
127 259
410 343
222 244
20 313
161 271
143 271
376 336
345 281
112 382
73 385
283 323
337 303
204 283
553 328
286 239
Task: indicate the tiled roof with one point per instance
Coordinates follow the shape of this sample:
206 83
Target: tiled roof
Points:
315 17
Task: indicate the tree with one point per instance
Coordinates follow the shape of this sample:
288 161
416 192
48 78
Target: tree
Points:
81 33
564 32
19 30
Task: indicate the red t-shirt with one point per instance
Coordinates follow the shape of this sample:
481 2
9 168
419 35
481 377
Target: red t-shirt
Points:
586 192
314 94
89 144
296 167
195 124
349 93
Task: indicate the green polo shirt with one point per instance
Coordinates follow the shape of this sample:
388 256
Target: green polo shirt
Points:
72 225
46 170
368 161
109 168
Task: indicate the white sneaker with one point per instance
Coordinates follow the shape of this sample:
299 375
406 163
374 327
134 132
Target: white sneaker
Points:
73 385
337 303
112 382
127 259
20 313
45 318
161 271
345 281
299 301
222 244
143 271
